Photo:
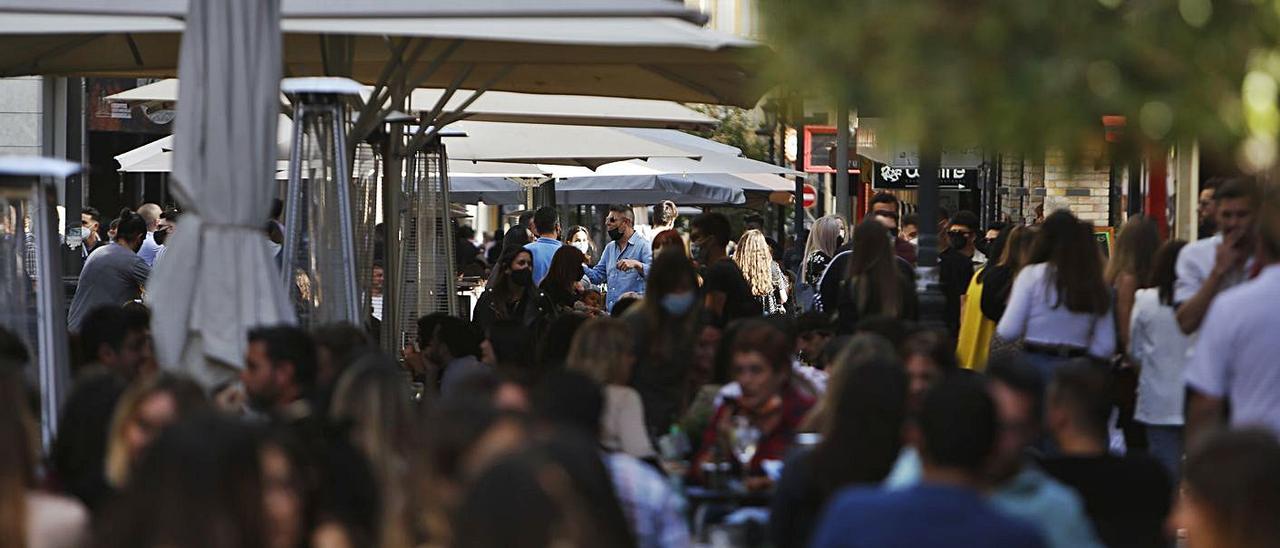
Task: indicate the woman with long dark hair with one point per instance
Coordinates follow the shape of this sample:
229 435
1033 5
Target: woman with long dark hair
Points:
859 445
1158 348
1060 305
562 285
1130 267
113 274
511 294
662 330
876 284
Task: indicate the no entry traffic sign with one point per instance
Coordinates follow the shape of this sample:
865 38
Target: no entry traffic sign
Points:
810 197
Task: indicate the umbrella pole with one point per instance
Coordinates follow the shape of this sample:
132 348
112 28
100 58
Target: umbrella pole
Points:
392 193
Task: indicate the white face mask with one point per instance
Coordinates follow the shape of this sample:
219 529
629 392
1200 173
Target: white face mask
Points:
584 247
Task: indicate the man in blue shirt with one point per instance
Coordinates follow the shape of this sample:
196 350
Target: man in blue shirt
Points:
546 223
957 429
624 263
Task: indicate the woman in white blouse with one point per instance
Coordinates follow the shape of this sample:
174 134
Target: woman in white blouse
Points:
1159 349
1060 305
602 349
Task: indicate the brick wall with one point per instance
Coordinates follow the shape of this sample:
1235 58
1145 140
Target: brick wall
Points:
1082 188
1050 180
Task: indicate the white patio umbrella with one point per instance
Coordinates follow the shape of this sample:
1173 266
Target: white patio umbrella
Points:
219 280
652 49
504 106
587 146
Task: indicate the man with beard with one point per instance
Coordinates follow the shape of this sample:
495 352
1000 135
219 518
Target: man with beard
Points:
280 371
164 228
624 263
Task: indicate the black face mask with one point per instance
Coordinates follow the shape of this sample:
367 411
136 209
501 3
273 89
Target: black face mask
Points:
160 236
522 278
615 234
958 241
839 242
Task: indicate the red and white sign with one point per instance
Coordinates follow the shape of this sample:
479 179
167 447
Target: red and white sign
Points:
810 196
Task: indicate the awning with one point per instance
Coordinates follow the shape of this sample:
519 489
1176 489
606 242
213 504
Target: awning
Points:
502 106
619 48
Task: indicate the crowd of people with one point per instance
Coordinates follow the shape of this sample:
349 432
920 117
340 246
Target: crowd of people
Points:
682 375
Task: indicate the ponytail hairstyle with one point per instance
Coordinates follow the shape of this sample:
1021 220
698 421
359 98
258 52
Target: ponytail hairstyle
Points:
130 225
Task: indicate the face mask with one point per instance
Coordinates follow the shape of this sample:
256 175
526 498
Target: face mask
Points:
840 240
914 241
160 236
958 241
522 278
678 304
584 247
615 234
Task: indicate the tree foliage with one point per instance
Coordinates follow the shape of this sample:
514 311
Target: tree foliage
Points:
737 128
1023 75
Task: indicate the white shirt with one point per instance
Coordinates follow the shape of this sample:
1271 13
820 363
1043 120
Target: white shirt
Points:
1157 344
149 249
375 302
1195 262
1237 356
1033 315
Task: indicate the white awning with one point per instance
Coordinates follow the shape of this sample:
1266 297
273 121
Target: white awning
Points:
501 106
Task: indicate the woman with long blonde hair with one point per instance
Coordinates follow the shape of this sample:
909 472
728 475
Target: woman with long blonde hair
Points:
762 273
603 349
824 238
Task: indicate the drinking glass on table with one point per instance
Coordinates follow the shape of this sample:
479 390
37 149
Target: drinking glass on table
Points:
746 437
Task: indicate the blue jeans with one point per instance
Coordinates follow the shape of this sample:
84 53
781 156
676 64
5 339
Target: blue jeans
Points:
1164 443
1045 364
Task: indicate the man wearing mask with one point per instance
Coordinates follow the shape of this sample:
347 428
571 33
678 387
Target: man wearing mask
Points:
725 292
956 263
115 274
151 214
90 224
164 228
624 262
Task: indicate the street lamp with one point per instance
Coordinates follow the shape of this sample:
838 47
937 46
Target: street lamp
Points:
319 245
31 275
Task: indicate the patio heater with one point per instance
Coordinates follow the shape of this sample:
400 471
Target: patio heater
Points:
31 276
424 244
319 269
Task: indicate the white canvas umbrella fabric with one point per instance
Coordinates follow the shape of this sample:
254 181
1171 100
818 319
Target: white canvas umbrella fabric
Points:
587 146
648 49
218 280
504 106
